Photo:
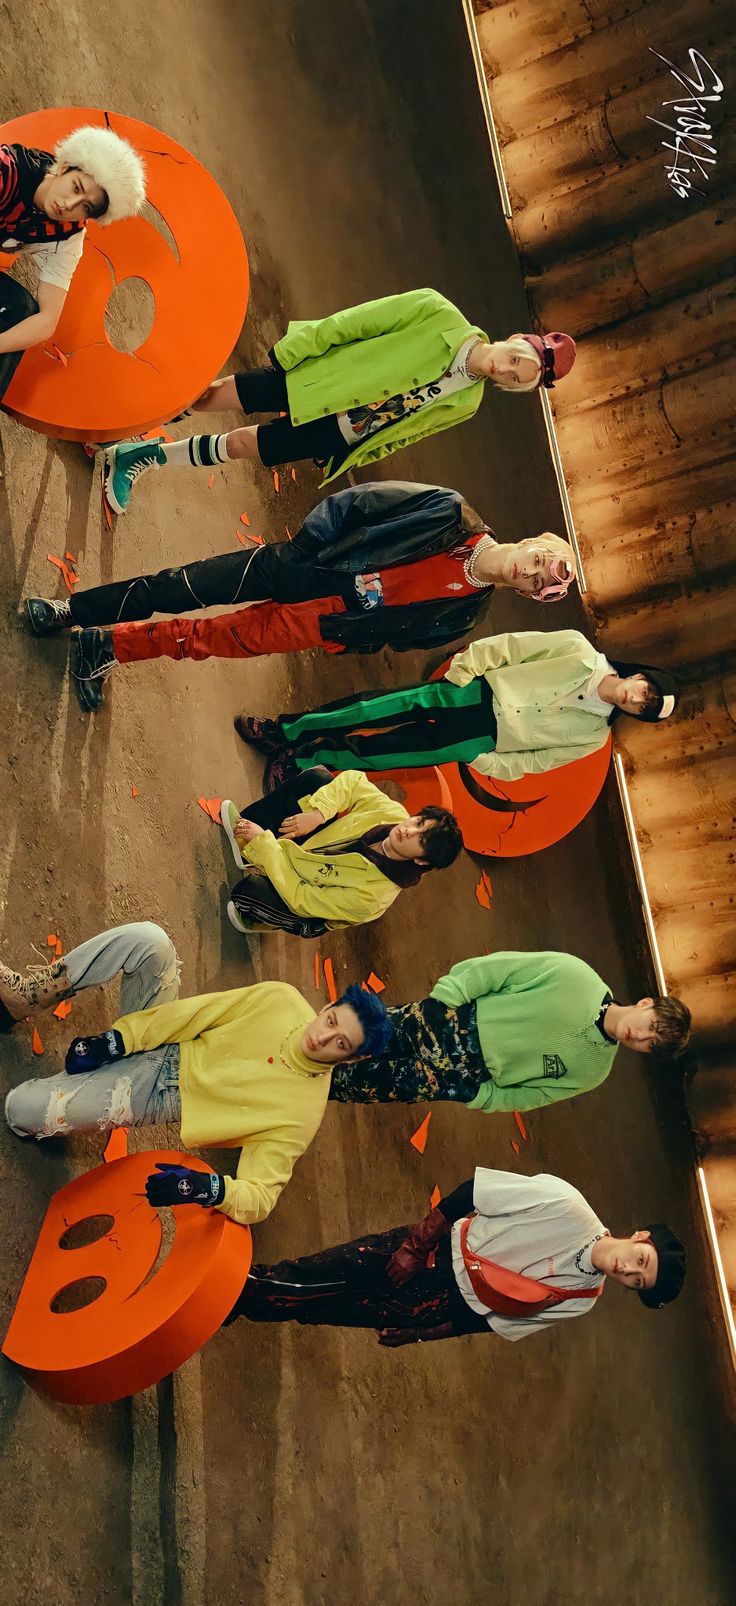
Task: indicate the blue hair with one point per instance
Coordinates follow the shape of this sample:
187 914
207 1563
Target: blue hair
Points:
373 1017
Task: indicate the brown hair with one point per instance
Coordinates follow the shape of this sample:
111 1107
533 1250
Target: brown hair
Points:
674 1023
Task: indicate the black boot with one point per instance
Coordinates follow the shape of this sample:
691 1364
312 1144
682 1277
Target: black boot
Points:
46 615
265 735
92 660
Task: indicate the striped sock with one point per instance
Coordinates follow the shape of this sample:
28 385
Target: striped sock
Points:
199 451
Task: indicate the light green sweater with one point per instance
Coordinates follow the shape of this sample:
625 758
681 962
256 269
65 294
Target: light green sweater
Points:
536 1016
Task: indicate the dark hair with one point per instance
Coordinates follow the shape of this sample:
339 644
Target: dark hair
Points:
442 840
94 211
373 1017
660 684
674 1023
671 1266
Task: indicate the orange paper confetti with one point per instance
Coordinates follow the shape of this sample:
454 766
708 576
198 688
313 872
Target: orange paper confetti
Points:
419 1140
51 940
36 1043
244 518
70 580
330 981
276 481
515 1146
434 1197
117 1145
293 474
134 791
63 1009
243 539
520 1124
316 971
210 482
211 807
58 949
484 891
256 539
375 983
106 510
71 557
288 533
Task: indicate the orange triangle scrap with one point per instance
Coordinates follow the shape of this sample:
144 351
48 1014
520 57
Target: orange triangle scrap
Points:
419 1139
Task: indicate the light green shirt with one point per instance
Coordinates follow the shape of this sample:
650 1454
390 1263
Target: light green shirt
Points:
531 674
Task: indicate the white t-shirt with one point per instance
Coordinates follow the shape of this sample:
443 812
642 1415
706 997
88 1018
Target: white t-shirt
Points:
539 1226
359 423
586 696
55 260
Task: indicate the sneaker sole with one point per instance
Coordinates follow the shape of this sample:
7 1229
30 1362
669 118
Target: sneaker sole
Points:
235 920
107 478
225 807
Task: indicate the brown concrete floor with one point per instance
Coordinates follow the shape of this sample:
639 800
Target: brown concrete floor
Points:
289 1467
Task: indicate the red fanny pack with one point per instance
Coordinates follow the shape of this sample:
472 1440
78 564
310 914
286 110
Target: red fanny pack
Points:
510 1293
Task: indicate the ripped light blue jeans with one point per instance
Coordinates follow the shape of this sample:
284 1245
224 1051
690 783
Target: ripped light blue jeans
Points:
140 1090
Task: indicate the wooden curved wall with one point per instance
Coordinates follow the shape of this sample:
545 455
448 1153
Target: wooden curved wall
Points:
646 282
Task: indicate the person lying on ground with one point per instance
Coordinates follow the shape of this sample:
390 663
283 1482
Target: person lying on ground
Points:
324 852
504 1254
380 565
352 388
510 705
46 199
247 1069
513 1031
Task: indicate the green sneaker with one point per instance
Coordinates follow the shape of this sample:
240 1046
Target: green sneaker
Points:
122 466
229 817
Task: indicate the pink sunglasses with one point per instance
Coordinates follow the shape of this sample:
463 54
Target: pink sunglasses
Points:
564 575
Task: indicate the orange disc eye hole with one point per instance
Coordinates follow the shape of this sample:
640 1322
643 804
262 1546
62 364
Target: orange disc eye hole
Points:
186 247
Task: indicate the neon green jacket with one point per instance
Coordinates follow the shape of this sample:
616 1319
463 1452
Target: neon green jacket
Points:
342 890
367 353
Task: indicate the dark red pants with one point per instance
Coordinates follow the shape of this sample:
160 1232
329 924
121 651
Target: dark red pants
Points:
264 627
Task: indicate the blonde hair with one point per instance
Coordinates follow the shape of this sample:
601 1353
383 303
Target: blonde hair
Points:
520 346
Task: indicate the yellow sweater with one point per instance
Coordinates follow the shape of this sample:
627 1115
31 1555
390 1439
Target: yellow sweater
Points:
244 1082
346 890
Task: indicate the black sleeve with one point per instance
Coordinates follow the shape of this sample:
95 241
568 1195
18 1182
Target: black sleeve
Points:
459 1202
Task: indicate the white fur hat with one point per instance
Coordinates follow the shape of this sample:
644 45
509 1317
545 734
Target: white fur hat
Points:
112 163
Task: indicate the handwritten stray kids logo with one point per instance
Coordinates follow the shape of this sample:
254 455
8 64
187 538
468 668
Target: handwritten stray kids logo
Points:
692 144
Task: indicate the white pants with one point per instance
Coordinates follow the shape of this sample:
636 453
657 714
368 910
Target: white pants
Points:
144 1087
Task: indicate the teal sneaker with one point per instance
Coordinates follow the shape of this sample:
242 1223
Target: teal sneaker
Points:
122 467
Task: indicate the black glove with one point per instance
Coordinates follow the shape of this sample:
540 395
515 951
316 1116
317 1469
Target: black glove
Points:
394 1337
89 1053
177 1185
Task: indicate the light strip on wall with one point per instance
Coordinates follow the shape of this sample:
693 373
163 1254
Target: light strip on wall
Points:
486 104
721 1279
639 869
562 487
506 204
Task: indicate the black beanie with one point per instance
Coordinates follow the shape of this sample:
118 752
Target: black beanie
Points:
671 1266
662 681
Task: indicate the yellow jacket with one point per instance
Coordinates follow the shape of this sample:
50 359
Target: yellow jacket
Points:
342 890
244 1082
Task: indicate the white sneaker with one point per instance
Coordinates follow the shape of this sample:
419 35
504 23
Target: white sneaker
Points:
235 920
229 817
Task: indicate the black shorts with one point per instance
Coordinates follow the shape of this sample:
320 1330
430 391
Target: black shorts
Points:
263 390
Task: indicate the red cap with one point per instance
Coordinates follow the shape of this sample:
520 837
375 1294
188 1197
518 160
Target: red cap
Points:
556 353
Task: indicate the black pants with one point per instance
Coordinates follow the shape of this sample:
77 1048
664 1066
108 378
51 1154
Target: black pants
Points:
15 306
255 899
263 390
347 1286
268 573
